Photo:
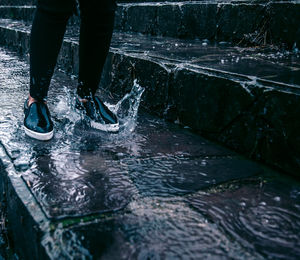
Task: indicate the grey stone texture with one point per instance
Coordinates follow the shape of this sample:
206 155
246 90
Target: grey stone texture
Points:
162 191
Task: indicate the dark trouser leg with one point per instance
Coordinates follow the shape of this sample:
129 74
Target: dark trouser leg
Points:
47 33
97 21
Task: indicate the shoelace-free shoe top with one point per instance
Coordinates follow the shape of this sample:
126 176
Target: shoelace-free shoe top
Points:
37 121
101 117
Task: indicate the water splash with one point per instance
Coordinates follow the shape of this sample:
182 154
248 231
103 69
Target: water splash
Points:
65 108
127 108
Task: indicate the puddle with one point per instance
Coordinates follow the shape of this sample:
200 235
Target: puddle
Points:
159 228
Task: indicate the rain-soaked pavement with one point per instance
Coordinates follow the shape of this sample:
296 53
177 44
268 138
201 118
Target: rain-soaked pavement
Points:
155 190
268 63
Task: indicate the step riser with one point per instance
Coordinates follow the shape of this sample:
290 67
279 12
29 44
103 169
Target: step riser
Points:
31 233
246 23
24 230
259 122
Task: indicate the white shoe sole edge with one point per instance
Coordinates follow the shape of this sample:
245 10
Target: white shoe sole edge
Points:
105 127
38 136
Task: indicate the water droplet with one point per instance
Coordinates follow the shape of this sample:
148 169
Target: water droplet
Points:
277 199
203 162
243 204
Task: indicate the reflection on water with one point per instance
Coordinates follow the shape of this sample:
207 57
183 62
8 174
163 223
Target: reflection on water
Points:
154 169
160 228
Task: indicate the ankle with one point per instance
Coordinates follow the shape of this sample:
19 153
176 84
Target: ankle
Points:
82 100
32 100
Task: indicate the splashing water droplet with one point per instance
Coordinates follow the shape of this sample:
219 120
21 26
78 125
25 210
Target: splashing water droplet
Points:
127 108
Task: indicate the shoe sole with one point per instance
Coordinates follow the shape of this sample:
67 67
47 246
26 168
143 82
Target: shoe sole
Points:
105 127
38 136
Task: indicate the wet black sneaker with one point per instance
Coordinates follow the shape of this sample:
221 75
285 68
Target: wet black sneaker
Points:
100 116
37 122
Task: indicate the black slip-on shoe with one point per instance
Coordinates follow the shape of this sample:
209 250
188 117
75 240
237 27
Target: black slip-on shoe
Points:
37 121
100 116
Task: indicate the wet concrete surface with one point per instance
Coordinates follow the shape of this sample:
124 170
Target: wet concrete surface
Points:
242 226
253 211
156 190
281 66
253 219
267 63
159 191
265 89
83 171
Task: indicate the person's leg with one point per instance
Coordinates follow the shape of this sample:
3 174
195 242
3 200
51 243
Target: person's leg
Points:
97 21
47 33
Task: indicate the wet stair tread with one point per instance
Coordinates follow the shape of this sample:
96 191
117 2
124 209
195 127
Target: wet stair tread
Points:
265 64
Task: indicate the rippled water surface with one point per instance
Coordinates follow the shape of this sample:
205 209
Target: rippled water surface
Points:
262 216
168 194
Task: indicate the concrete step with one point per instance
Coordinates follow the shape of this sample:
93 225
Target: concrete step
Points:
245 98
238 22
157 192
